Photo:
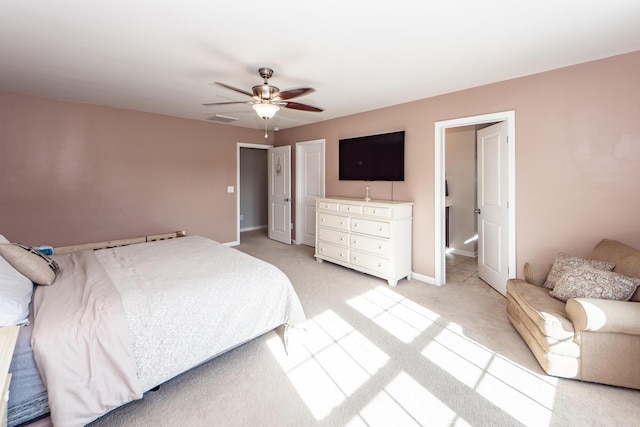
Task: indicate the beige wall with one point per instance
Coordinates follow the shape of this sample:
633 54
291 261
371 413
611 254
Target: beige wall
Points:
73 173
577 156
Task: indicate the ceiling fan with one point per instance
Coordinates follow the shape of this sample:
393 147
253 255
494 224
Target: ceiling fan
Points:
268 99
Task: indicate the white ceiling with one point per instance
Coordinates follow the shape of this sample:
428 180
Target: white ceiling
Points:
161 56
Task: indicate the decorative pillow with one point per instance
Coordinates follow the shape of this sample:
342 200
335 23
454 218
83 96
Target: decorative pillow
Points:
15 295
3 239
39 268
564 263
590 282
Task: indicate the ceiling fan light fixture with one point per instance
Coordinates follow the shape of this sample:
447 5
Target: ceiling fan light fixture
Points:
266 110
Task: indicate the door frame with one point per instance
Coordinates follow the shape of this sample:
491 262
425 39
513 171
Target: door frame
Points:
240 145
301 171
439 181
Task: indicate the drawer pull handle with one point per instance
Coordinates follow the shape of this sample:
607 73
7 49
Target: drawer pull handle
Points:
379 265
379 246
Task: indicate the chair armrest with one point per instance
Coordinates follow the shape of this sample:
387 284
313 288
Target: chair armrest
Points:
536 273
601 315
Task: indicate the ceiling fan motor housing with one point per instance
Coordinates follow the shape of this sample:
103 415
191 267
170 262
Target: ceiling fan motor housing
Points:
265 92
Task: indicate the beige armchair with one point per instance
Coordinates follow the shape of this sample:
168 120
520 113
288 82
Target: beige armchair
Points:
589 339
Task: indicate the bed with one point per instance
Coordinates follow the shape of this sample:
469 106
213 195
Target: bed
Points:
120 321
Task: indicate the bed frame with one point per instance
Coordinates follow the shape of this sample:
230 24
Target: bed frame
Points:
119 242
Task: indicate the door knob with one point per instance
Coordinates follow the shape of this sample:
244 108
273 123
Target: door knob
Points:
476 211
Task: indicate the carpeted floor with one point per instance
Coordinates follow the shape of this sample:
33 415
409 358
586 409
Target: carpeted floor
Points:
374 355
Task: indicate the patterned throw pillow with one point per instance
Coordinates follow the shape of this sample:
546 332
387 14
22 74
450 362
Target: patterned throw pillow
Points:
589 282
564 263
39 268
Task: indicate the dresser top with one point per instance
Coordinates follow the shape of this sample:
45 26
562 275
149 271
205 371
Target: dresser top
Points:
372 201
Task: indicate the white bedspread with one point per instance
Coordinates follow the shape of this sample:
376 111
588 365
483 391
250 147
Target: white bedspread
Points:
187 300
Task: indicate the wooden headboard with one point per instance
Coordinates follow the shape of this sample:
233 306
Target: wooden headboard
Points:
119 242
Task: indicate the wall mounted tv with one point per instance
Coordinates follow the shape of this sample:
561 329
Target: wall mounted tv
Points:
372 158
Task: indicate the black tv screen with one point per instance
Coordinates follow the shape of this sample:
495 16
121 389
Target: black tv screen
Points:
372 158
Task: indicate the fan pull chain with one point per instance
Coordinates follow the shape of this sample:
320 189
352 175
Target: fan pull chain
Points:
266 135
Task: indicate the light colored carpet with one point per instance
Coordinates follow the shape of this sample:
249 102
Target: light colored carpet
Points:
415 354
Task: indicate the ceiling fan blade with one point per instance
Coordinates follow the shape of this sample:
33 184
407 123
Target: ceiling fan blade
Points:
294 93
244 92
226 103
298 106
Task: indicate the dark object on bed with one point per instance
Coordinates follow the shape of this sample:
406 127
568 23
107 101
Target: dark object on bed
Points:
27 394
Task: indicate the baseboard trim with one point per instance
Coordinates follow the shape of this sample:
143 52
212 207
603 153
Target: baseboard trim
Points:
422 278
256 227
463 253
235 243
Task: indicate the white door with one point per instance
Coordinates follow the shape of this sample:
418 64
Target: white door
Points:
493 206
309 186
280 194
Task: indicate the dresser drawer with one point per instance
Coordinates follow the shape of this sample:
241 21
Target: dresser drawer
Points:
377 211
333 221
371 262
374 228
332 251
349 208
327 206
371 244
333 236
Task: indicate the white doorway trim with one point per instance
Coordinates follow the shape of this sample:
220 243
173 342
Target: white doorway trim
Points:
301 172
439 168
240 145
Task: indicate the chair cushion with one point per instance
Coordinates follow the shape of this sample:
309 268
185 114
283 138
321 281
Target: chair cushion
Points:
545 312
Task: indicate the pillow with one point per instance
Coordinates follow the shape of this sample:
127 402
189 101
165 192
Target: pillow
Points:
39 268
15 295
564 263
3 239
590 282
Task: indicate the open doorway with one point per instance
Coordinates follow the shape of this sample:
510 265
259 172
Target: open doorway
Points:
441 184
252 188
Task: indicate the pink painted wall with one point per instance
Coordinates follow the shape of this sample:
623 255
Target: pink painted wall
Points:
74 173
577 156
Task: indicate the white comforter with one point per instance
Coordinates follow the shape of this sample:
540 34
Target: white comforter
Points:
190 299
185 301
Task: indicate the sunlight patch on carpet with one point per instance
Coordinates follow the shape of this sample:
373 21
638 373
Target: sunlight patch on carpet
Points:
405 402
524 395
330 364
396 314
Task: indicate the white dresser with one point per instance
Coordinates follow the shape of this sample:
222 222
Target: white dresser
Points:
372 237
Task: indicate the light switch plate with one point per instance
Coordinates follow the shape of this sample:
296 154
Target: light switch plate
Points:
230 189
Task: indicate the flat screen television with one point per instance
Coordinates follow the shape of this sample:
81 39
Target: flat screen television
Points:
372 158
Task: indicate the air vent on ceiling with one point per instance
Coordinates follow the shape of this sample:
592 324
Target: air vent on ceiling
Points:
222 119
